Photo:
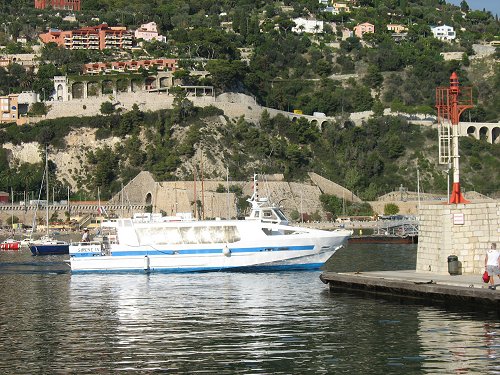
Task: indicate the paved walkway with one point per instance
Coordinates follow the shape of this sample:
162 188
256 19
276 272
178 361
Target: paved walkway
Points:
467 281
460 289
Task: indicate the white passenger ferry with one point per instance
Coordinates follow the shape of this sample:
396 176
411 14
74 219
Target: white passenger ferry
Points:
263 241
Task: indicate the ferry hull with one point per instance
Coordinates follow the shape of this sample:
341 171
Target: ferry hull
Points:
269 258
263 241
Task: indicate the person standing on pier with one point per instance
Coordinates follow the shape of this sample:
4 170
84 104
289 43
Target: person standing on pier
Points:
492 264
85 236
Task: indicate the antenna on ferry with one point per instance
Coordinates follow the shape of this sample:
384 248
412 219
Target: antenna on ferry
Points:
253 200
256 185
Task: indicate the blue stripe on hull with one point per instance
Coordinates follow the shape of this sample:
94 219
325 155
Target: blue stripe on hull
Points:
166 252
260 268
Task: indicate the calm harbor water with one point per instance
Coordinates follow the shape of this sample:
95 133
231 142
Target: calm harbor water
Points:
53 322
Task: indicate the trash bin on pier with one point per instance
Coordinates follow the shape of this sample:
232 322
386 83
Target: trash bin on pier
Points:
453 265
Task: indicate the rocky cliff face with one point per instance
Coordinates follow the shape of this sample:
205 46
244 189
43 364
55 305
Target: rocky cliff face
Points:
70 161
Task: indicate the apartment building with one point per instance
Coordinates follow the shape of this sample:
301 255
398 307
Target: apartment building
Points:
58 4
131 66
9 108
97 37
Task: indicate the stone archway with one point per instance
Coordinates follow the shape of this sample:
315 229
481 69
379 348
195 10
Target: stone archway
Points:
59 92
149 199
77 90
122 85
471 131
323 125
483 133
93 89
150 83
495 135
165 82
107 87
136 85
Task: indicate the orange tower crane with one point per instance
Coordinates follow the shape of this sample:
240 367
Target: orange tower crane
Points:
450 103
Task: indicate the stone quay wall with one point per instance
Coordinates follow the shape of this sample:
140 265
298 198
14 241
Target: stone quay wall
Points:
464 230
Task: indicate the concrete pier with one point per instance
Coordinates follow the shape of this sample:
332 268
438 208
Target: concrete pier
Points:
430 288
464 230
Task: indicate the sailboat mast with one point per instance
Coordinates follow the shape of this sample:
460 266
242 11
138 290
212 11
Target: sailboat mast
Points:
227 186
194 193
47 186
202 191
12 209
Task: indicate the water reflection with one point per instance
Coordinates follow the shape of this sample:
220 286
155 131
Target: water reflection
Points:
229 323
457 346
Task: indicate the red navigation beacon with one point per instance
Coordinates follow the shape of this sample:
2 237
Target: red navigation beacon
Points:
450 103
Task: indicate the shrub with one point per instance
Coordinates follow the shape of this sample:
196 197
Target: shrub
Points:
391 209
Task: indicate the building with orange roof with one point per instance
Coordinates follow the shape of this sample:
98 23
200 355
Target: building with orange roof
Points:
58 4
134 65
363 28
96 37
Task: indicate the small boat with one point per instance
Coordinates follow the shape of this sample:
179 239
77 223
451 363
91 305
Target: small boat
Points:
10 244
48 245
264 241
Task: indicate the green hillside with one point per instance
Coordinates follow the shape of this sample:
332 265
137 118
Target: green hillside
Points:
282 69
371 159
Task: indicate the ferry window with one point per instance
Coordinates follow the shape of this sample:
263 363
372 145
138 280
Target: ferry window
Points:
281 232
188 235
280 215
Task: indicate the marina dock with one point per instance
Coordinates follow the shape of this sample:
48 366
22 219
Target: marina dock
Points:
430 287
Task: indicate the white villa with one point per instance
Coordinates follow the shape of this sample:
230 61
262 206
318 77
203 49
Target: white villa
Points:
444 32
149 32
307 26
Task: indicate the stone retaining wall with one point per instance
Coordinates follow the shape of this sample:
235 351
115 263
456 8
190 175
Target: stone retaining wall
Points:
464 230
332 188
178 196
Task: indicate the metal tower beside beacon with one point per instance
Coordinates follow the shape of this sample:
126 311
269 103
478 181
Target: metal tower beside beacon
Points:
450 103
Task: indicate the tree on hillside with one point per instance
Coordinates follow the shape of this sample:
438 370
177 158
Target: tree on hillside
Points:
107 108
226 75
373 77
38 109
